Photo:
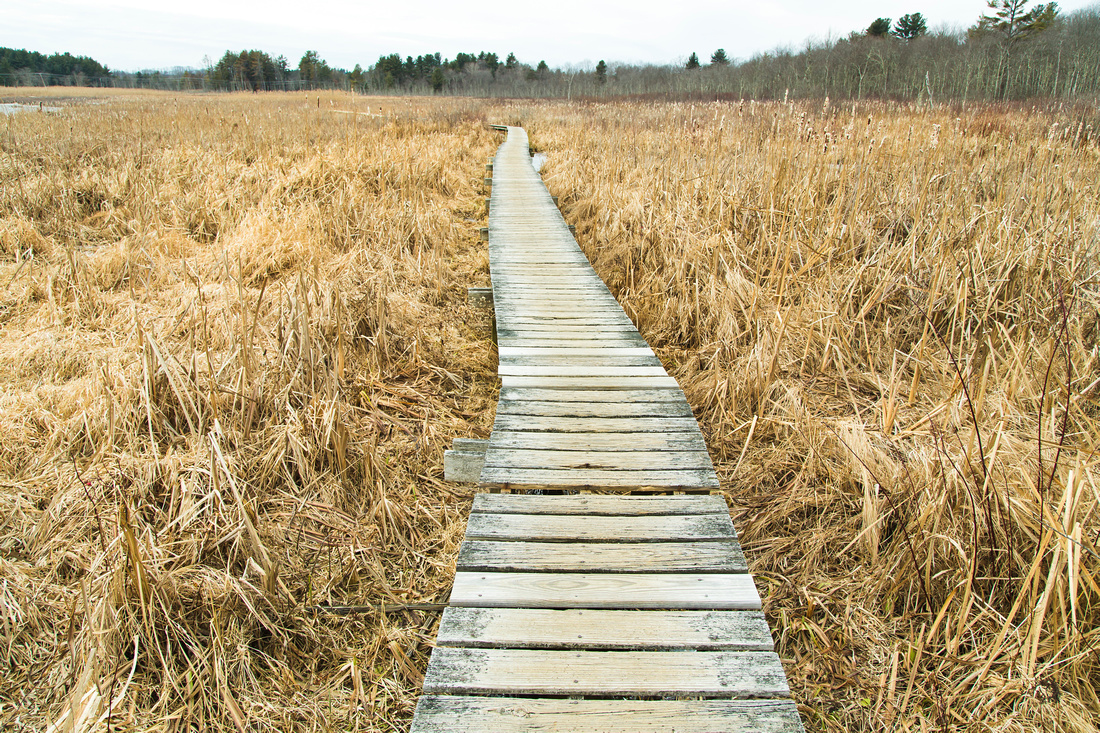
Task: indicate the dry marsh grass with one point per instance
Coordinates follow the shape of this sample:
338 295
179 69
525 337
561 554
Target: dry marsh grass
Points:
234 345
886 320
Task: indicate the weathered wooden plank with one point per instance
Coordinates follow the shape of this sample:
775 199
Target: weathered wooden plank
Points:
611 350
734 591
596 424
563 301
549 291
598 441
593 409
561 270
596 460
516 337
463 466
611 360
550 329
597 504
572 528
590 382
516 394
468 714
521 335
549 299
562 313
561 672
601 557
561 370
555 321
539 628
561 322
593 480
558 263
540 283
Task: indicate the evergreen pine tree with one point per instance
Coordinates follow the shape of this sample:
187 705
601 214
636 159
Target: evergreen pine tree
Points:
879 28
910 26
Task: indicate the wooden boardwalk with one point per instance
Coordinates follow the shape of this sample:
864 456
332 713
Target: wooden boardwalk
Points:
580 611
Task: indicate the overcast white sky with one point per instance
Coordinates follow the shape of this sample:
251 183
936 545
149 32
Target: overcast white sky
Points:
132 34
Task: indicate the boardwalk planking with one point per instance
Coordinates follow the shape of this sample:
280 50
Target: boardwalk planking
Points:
558 672
731 591
602 557
539 628
592 596
598 505
466 714
564 527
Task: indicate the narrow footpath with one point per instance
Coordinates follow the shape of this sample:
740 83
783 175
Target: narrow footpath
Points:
592 612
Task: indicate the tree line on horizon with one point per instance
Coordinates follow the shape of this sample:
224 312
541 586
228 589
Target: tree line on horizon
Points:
19 67
1015 50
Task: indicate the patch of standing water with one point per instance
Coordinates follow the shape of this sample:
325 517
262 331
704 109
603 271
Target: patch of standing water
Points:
538 160
12 107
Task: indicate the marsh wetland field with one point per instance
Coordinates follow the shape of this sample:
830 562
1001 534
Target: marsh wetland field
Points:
234 344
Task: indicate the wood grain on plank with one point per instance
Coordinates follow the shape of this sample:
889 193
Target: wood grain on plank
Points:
619 673
523 458
548 408
546 292
594 480
562 316
598 441
611 359
561 528
514 394
596 424
549 328
508 337
606 557
597 504
470 714
582 351
562 370
590 382
540 628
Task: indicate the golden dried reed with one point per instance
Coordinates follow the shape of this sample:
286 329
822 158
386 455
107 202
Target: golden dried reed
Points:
235 343
886 320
